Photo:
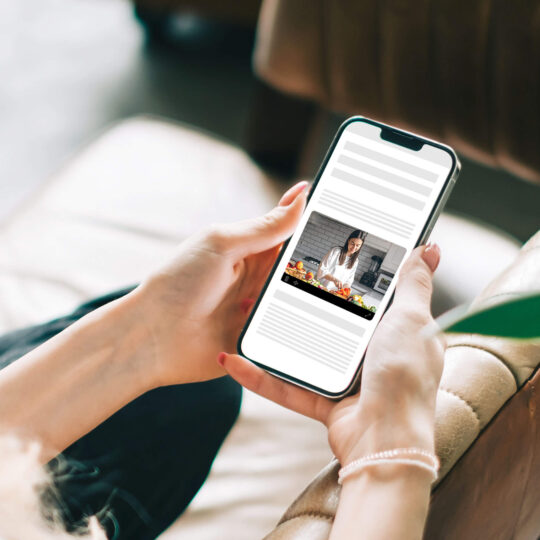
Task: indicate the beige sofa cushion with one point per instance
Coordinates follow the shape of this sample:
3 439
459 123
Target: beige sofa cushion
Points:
119 208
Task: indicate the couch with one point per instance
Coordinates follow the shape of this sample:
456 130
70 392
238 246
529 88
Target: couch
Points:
121 206
124 202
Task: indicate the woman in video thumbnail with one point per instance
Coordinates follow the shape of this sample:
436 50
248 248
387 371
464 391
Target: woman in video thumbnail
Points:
338 266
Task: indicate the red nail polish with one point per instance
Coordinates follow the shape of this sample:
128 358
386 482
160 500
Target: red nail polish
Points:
432 256
221 358
246 304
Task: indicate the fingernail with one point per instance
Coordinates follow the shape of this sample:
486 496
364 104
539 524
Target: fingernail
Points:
221 358
301 187
304 184
301 191
432 256
298 189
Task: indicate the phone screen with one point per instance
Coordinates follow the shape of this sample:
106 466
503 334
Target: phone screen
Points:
369 208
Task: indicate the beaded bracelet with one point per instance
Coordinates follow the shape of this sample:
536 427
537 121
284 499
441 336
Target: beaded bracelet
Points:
415 457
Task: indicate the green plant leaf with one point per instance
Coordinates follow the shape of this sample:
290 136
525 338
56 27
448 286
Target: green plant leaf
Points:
517 318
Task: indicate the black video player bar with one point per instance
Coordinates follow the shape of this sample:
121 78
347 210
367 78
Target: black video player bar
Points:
329 297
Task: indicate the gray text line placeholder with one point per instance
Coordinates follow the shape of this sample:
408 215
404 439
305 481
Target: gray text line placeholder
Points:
376 188
386 176
366 218
314 311
372 212
391 161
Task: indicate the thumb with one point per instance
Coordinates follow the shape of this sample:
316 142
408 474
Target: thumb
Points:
291 194
264 232
415 284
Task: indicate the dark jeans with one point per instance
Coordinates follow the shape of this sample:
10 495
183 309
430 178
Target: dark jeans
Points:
139 469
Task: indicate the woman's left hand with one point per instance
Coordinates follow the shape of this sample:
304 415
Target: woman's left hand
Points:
196 306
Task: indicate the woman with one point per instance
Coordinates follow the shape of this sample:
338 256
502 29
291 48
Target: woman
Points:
171 329
338 266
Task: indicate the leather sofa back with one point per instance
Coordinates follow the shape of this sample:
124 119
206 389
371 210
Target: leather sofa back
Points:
463 72
488 489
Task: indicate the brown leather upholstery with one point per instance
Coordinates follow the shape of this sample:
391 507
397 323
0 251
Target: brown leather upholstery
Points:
479 490
493 489
463 72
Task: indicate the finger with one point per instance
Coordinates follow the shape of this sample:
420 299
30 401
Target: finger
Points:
259 234
291 194
259 381
415 284
246 305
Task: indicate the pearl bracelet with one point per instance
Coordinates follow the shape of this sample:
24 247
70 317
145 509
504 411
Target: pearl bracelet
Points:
415 457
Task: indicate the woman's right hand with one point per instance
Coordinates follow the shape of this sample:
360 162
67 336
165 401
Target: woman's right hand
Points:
401 374
337 282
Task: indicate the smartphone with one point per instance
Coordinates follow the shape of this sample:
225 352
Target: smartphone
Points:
376 197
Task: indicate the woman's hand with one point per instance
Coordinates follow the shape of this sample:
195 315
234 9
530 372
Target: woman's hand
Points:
168 330
401 374
337 282
197 305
